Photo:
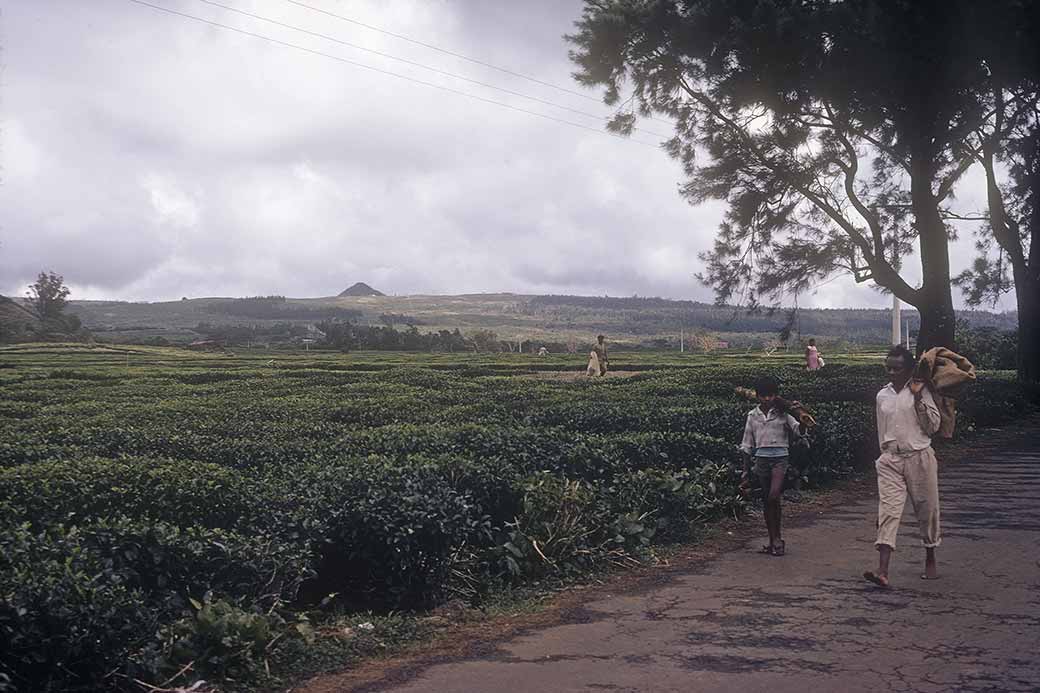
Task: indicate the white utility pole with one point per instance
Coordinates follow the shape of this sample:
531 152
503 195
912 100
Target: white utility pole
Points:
682 341
897 338
896 321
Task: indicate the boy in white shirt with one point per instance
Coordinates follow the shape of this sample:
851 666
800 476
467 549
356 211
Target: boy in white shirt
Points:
766 440
907 416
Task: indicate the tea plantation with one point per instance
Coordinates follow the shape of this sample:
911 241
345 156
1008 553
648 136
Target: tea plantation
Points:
162 509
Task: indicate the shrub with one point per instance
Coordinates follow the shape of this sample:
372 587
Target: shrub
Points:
988 348
993 401
673 502
75 602
564 528
182 493
389 533
65 621
219 640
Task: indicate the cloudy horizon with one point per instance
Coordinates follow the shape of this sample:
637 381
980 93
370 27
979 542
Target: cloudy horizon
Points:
148 156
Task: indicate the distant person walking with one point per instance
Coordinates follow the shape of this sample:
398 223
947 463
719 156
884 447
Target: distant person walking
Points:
906 418
593 367
813 361
601 353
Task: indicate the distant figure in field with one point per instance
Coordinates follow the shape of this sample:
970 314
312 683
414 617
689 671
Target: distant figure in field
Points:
601 353
542 351
593 367
813 362
907 417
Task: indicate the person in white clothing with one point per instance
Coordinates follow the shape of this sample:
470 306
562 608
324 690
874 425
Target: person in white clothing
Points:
907 416
593 367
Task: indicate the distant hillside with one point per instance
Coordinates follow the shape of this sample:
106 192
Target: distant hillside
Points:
360 289
19 323
15 310
16 320
511 316
639 313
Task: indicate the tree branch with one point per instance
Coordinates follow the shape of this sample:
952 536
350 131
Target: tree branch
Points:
881 271
947 214
1005 230
873 223
946 186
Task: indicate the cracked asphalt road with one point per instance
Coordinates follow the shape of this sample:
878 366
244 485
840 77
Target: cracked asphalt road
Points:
808 621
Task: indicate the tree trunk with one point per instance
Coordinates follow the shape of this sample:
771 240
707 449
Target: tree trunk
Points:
1025 263
936 293
1027 292
1028 297
937 326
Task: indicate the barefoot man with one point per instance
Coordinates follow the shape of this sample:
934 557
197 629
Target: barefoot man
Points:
906 417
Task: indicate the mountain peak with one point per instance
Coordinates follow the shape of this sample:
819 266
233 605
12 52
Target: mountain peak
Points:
361 289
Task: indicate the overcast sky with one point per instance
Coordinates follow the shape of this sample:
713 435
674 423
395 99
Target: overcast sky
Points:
148 156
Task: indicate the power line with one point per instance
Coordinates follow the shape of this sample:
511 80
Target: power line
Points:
444 50
388 72
454 54
416 64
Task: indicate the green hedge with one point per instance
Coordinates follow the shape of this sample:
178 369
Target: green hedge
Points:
78 601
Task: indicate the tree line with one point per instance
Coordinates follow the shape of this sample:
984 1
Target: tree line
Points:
277 308
347 336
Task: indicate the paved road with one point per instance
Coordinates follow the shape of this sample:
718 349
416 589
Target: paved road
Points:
808 621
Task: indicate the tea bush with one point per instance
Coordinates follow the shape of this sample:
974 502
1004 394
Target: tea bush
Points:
387 533
180 492
78 601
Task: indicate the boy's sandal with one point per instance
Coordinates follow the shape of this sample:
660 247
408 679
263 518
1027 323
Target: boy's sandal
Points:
779 550
767 549
873 577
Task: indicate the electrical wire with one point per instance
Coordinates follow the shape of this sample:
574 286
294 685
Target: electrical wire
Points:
390 73
454 54
417 64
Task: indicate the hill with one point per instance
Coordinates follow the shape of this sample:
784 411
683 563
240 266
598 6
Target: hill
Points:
16 320
360 289
511 316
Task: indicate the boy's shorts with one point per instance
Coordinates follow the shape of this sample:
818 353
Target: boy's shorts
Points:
764 467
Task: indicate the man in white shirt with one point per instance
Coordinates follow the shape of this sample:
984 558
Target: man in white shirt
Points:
907 416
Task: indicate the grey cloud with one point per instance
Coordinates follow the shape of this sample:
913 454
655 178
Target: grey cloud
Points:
147 157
